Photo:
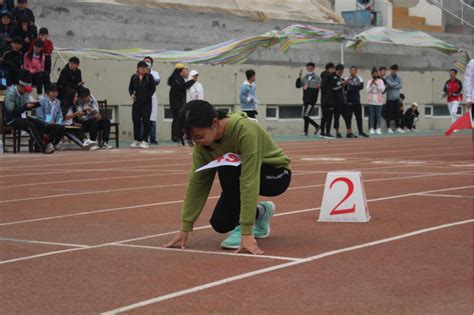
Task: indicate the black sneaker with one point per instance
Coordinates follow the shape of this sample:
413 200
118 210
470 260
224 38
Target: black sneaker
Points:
154 142
339 136
305 134
351 135
328 136
363 134
322 135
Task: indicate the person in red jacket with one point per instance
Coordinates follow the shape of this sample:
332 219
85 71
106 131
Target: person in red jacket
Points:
48 47
453 91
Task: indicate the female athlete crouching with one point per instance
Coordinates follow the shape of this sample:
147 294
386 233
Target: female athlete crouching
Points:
264 170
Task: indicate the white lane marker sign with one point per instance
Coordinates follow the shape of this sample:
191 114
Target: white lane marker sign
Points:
344 198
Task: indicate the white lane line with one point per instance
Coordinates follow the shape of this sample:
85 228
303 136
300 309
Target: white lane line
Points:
41 242
179 201
446 196
281 266
223 253
177 185
208 226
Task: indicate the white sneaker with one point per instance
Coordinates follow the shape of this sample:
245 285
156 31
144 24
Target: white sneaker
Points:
389 130
49 149
413 130
106 146
88 143
372 131
135 144
144 145
59 147
94 147
399 130
378 131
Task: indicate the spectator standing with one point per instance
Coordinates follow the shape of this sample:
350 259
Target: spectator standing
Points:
141 89
21 12
382 73
248 94
410 117
6 6
154 102
327 98
195 92
375 88
354 85
310 83
50 113
453 92
48 47
34 62
177 96
12 61
70 77
469 86
7 29
71 115
394 85
340 108
28 32
17 103
92 121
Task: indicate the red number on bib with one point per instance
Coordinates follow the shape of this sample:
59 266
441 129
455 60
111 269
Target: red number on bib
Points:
232 158
350 190
219 159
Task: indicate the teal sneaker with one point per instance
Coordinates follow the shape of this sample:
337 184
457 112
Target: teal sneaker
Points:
233 240
261 229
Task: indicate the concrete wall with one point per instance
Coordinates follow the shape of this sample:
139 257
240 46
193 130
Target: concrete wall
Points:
275 86
433 14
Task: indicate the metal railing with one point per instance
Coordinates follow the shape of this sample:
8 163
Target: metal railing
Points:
461 9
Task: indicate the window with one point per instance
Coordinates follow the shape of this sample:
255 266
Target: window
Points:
316 112
272 112
227 109
428 111
290 112
443 111
168 114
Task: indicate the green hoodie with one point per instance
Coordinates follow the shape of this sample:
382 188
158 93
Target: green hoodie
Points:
255 147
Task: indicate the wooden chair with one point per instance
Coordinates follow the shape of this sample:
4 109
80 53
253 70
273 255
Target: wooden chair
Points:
11 137
114 130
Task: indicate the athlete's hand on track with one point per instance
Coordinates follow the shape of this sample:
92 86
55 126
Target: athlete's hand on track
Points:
249 243
180 240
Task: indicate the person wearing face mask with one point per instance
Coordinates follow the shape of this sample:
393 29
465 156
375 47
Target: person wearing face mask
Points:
154 101
310 83
178 88
141 88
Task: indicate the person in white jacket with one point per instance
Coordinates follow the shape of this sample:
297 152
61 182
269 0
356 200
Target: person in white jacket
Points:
469 84
196 92
375 88
154 101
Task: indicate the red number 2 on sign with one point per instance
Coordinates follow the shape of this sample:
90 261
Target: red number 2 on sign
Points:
350 190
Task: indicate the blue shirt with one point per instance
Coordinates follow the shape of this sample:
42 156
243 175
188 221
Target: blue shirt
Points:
50 111
248 96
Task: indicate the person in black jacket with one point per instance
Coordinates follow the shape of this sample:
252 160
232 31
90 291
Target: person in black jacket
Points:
327 103
28 32
70 77
354 84
410 117
12 61
141 89
21 11
7 29
340 109
6 5
310 84
178 87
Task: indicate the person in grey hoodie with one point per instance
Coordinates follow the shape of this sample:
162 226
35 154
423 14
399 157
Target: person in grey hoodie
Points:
310 83
394 85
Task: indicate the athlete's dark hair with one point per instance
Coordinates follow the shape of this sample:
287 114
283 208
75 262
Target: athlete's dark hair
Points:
249 74
454 70
311 64
197 114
